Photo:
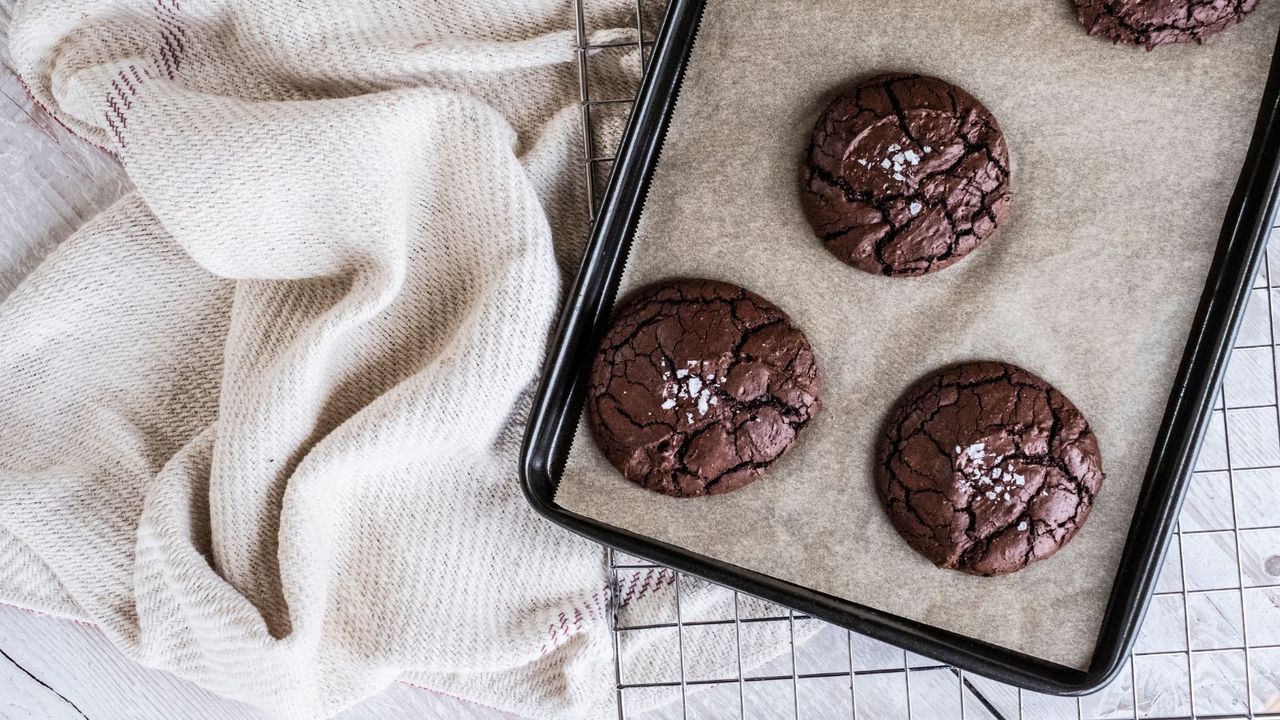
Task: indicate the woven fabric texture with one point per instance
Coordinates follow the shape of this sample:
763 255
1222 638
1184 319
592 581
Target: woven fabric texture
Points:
259 420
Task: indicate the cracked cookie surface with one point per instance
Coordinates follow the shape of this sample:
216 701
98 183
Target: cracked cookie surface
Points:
905 175
986 468
699 386
1152 23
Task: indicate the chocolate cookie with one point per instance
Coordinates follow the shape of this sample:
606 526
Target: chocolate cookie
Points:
986 468
699 386
1159 22
905 175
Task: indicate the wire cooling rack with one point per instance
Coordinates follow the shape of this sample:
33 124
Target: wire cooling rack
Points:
1210 645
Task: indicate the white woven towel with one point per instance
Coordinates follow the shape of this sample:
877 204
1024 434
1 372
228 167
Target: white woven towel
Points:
258 421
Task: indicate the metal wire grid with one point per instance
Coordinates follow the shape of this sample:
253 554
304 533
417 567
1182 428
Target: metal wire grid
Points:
1210 647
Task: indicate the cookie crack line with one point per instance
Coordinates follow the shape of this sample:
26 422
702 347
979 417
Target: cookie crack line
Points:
1185 20
874 198
658 315
699 386
985 468
895 230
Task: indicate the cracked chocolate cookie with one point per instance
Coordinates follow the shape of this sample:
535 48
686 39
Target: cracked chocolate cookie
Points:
1151 23
699 386
905 175
986 468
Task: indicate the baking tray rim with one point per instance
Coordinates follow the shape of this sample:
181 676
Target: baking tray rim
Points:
558 400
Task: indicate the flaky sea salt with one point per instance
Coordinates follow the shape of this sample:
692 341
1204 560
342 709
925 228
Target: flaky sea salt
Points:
984 472
690 385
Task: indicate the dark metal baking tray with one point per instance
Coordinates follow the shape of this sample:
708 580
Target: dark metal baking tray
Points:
558 403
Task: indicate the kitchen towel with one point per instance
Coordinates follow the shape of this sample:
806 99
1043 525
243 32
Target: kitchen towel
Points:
259 419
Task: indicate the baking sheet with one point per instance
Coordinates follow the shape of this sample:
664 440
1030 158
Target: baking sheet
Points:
1124 162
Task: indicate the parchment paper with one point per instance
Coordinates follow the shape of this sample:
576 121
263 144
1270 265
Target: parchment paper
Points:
1124 162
